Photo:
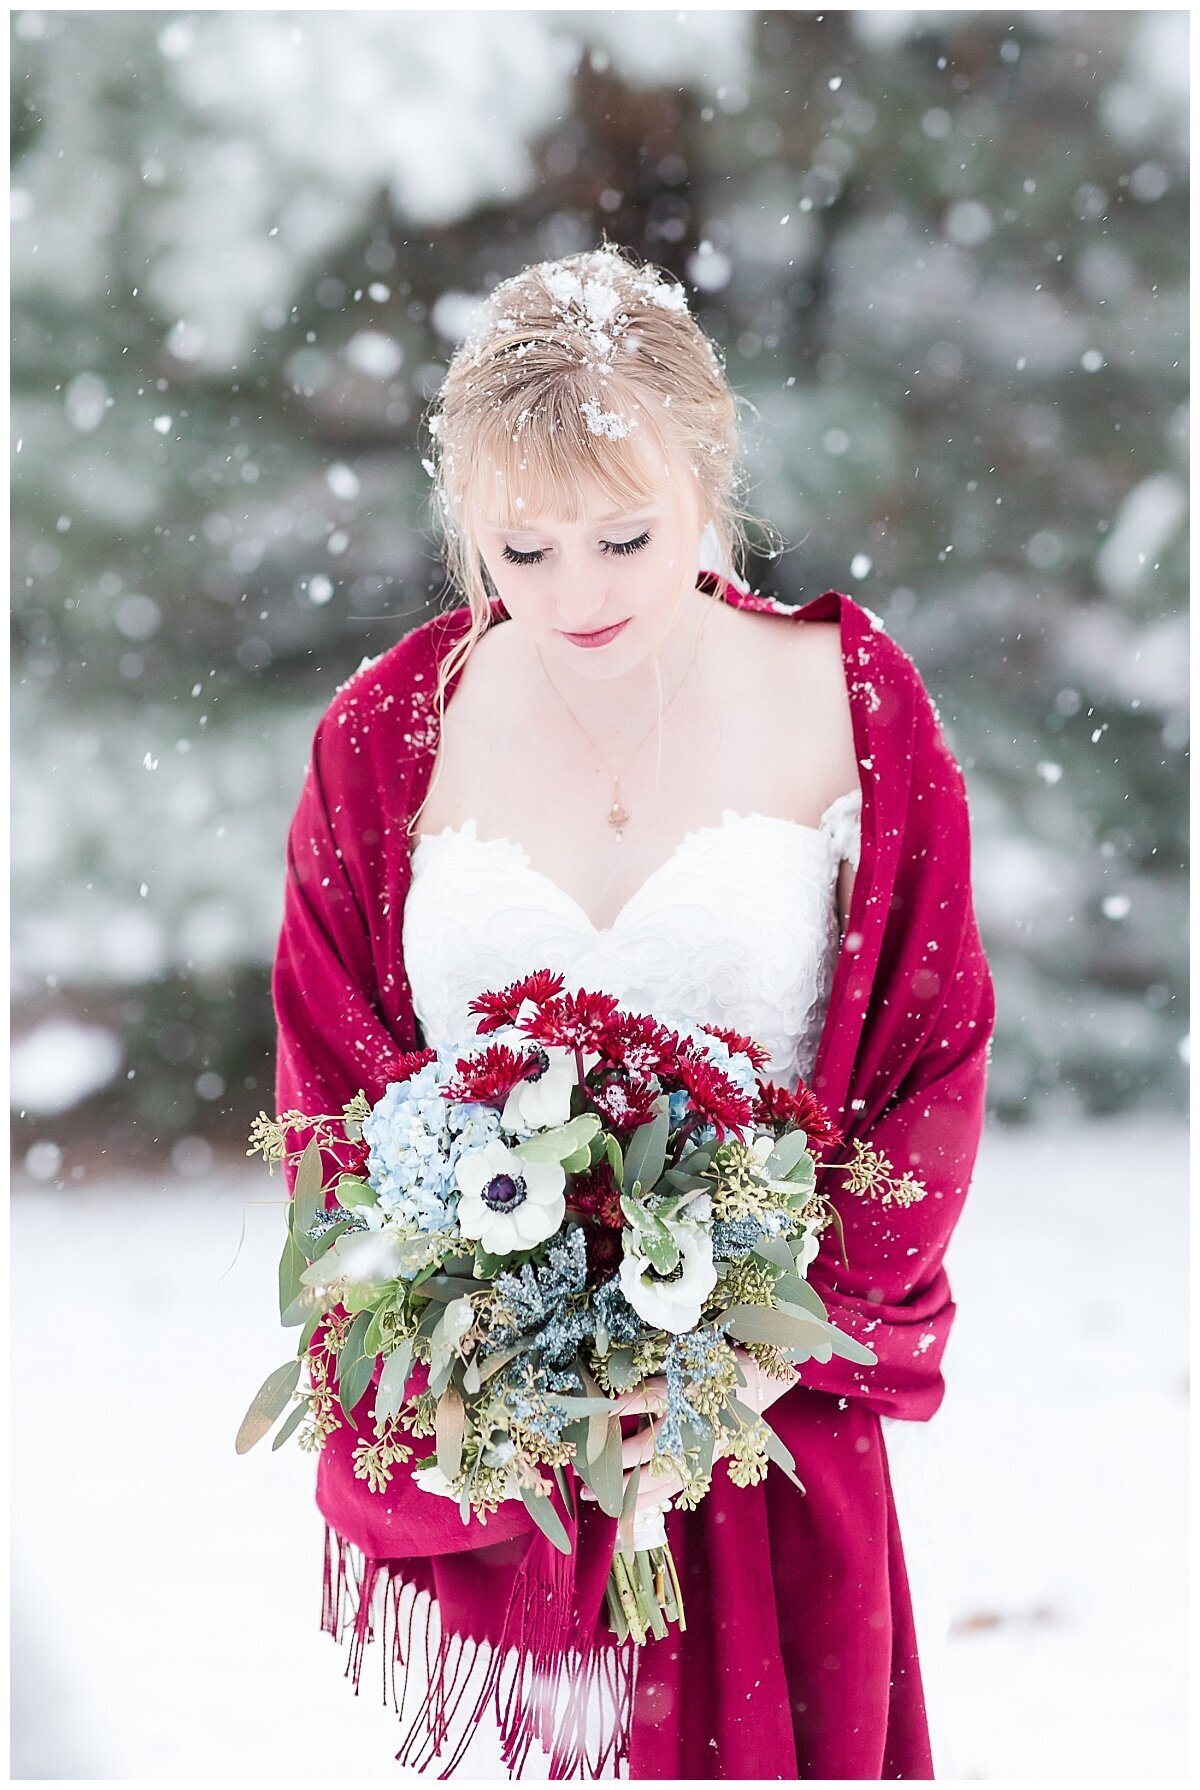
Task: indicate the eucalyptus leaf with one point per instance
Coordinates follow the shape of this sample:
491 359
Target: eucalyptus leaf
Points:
685 1183
494 1363
445 1288
803 1175
619 1369
267 1403
613 1151
695 1161
629 1501
660 1250
547 1518
308 1308
353 1191
393 1381
373 1340
308 1194
796 1290
782 1456
607 1470
577 1163
786 1329
850 1349
775 1251
597 1424
786 1154
325 1242
354 1369
299 1411
652 1237
450 1423
292 1263
559 1141
440 1371
646 1152
353 1382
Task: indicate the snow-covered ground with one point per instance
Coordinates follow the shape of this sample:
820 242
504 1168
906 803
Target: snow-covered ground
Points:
166 1592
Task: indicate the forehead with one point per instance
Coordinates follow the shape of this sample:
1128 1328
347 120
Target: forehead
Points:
517 501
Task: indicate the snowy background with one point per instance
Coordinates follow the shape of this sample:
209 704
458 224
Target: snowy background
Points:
166 1592
945 256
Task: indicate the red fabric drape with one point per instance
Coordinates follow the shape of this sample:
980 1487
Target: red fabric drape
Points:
799 1659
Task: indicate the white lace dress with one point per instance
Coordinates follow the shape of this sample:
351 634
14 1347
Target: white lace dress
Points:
739 928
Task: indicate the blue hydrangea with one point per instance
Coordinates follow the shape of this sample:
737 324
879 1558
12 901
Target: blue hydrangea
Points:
735 1064
415 1138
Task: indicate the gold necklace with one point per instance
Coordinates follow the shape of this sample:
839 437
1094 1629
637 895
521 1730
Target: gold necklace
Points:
617 816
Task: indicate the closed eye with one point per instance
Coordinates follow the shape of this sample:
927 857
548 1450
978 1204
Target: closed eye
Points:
535 558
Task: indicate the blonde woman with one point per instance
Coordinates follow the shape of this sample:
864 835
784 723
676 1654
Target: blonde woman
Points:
612 759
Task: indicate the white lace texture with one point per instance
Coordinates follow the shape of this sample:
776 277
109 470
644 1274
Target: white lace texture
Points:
737 928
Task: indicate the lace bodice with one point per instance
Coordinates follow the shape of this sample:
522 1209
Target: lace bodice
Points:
738 928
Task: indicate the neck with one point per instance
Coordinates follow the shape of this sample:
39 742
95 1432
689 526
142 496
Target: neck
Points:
621 706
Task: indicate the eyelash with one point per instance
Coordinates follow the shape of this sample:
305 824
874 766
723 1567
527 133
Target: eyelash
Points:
532 559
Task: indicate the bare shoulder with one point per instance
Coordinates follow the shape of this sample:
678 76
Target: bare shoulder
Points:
814 705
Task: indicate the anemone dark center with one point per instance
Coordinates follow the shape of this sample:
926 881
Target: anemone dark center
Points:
676 1273
504 1193
541 1062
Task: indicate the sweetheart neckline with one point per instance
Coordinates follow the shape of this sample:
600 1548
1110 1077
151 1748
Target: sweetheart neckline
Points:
468 829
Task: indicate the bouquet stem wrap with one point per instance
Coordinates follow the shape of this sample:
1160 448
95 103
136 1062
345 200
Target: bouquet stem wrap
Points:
799 1657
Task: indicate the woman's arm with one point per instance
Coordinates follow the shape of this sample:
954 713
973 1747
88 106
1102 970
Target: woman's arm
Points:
917 1090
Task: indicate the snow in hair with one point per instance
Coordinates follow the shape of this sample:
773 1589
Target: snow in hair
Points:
580 374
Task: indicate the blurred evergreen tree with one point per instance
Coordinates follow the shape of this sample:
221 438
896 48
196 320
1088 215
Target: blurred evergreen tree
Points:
945 254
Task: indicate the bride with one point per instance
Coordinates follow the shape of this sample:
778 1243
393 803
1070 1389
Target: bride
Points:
628 768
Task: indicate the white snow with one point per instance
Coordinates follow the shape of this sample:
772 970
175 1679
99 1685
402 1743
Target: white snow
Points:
166 1592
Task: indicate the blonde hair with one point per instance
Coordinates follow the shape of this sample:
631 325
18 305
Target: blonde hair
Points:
568 368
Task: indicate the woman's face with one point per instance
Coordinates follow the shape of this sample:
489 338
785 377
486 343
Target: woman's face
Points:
559 578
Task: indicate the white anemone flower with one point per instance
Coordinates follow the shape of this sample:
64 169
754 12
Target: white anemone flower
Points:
508 1203
546 1100
672 1302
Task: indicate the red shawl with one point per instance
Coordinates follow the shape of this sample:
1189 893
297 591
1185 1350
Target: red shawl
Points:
799 1659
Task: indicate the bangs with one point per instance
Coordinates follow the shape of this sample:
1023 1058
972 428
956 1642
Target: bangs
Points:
546 460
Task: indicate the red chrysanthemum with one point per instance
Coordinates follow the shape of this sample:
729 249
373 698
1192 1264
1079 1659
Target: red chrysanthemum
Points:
713 1093
595 1198
501 1008
491 1074
402 1067
777 1105
626 1101
643 1045
585 1020
354 1156
758 1056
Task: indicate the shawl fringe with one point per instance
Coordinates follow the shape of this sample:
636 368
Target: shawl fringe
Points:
541 1680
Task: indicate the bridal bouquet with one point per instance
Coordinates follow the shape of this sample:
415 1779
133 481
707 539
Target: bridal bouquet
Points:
582 1202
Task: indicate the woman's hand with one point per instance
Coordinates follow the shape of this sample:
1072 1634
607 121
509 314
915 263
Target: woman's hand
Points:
761 1389
759 1393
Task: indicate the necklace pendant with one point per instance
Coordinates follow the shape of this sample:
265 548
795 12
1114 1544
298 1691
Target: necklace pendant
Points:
617 817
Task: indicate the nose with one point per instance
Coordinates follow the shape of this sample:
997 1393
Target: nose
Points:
587 608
